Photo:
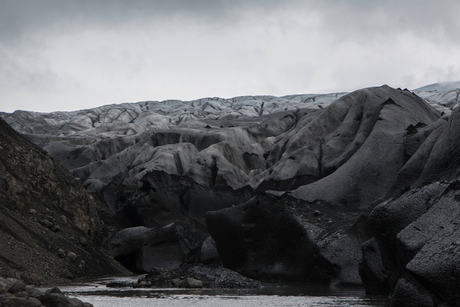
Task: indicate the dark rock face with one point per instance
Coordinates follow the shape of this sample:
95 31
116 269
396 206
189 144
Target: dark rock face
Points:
417 231
367 125
417 234
372 270
165 198
141 248
283 238
263 240
44 209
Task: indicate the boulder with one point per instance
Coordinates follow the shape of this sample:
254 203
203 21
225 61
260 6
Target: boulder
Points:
193 283
54 300
18 286
19 302
30 296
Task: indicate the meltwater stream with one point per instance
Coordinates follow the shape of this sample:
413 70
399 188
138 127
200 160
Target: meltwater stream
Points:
285 295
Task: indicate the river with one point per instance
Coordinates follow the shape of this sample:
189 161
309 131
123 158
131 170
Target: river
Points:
284 295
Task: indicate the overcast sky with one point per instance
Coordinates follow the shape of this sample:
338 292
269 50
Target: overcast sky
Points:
70 55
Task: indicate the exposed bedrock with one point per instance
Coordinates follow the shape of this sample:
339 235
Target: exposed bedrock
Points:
417 231
269 238
418 235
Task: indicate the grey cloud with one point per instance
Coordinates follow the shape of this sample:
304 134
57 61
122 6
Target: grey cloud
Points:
360 20
370 20
19 17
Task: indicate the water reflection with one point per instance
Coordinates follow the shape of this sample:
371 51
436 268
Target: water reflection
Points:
274 295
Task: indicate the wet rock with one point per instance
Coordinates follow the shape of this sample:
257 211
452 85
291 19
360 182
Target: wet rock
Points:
54 290
75 302
18 286
19 302
31 296
193 283
142 284
54 299
22 294
34 292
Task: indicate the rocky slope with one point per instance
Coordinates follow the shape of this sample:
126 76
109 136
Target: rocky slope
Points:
48 223
284 186
416 233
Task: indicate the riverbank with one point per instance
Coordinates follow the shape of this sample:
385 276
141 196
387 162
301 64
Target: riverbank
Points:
15 292
285 294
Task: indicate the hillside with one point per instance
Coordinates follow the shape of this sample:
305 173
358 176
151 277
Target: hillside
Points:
48 223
